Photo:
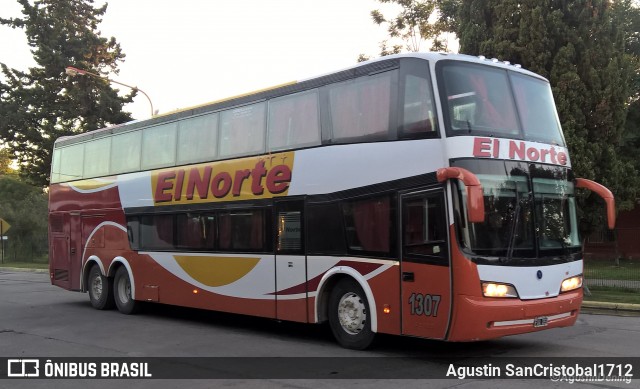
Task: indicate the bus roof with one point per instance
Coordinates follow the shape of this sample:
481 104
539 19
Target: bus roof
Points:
362 68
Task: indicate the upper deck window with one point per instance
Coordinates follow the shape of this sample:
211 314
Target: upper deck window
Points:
125 152
384 101
97 162
159 146
69 167
418 118
294 121
478 98
197 139
537 109
242 130
360 108
485 100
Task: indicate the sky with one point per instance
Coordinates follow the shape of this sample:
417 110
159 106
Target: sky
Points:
189 52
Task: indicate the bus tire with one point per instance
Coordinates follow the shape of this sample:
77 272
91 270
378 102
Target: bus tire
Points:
100 289
122 292
349 316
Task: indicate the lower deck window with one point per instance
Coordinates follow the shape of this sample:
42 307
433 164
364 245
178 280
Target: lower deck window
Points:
156 232
196 231
243 230
369 224
235 231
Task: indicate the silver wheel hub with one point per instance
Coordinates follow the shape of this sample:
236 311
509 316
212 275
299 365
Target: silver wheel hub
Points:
352 313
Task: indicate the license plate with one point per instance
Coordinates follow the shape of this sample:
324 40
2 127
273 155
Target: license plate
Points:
541 321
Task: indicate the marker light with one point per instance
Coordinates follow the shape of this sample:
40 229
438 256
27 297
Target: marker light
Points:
571 284
492 289
386 309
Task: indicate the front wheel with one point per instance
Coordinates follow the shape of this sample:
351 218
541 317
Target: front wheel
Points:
349 315
100 289
122 292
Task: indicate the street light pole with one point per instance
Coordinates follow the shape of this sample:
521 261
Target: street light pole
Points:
71 71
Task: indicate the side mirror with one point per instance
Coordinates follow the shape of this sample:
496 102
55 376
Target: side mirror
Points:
606 195
475 197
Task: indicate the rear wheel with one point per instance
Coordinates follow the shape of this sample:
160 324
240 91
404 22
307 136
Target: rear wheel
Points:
122 292
349 315
100 289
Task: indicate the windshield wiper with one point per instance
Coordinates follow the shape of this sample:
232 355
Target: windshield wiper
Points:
515 222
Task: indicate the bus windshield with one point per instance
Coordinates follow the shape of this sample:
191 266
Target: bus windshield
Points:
484 100
530 213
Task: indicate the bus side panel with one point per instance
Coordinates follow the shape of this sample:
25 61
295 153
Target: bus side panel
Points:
426 300
106 239
381 277
173 290
153 283
207 281
291 286
386 291
84 195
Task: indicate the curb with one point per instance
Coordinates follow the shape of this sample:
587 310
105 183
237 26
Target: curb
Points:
611 306
21 269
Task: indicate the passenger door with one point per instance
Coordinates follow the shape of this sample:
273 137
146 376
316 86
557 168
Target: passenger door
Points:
291 261
425 264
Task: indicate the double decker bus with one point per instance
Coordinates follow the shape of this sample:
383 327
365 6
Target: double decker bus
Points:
426 194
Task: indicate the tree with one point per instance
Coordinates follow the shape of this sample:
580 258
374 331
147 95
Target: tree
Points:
41 104
629 17
24 207
415 24
5 162
582 48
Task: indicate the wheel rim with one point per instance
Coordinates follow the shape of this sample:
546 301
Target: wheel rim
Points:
96 287
124 290
352 313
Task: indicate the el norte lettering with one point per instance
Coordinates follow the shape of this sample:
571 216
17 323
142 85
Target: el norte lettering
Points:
227 180
520 150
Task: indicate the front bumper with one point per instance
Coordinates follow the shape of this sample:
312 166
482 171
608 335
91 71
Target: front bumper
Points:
479 318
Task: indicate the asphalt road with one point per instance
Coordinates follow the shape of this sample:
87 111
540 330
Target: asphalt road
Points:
40 320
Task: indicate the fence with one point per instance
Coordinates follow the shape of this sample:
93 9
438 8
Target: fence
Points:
614 273
17 248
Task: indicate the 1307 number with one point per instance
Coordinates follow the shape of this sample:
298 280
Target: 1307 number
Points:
424 304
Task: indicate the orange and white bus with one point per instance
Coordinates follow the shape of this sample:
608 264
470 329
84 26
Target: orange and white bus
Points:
427 194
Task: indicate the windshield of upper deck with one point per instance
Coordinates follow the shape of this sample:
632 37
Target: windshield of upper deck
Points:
485 100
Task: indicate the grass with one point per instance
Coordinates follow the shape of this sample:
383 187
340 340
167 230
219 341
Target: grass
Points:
626 270
26 265
612 295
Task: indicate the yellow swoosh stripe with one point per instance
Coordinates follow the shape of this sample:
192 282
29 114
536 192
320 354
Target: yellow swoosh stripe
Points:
216 271
88 185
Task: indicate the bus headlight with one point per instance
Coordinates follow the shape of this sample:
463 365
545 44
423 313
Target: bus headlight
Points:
494 289
571 284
